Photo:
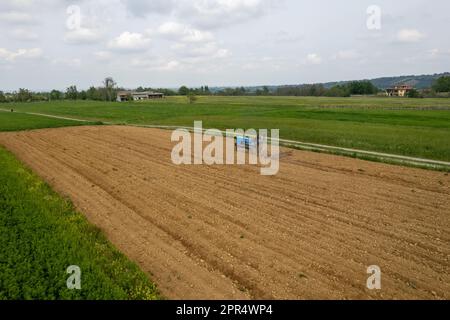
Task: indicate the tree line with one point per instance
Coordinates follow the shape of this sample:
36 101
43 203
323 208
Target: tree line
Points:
318 90
108 91
441 87
352 88
72 93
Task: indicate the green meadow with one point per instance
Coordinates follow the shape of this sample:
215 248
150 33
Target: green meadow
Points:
16 122
409 127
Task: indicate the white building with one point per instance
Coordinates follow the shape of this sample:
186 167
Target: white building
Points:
138 96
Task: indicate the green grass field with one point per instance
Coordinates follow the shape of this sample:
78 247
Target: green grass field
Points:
41 235
409 127
16 122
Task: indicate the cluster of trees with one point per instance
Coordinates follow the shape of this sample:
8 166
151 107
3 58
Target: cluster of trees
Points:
318 90
414 94
361 88
442 85
182 91
107 92
72 93
240 91
23 95
202 91
93 93
205 91
313 90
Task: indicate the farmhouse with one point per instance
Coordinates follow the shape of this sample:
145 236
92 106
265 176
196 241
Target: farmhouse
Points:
137 96
399 91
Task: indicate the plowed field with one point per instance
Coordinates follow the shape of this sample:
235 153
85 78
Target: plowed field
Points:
226 232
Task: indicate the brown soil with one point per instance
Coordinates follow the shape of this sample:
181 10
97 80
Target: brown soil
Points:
226 232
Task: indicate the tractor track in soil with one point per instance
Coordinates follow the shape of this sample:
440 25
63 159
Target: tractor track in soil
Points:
226 232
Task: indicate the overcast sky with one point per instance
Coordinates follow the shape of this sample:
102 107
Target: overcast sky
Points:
47 44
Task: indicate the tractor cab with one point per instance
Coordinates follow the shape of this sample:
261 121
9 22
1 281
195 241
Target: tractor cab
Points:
246 142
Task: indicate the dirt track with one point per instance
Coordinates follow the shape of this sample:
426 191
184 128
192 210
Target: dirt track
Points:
229 233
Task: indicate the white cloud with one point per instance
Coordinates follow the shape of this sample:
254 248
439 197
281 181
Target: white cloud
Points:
185 33
219 13
67 62
23 34
210 49
438 53
103 55
16 17
410 35
346 55
283 36
189 56
213 7
313 58
82 36
159 64
130 42
12 56
141 8
171 65
194 35
222 53
220 36
203 13
26 4
190 42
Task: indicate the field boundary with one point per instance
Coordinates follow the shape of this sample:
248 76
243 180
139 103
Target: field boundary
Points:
356 153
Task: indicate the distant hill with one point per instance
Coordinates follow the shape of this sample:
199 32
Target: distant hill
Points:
417 81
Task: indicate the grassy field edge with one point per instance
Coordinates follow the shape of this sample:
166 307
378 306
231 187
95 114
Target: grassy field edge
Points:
42 234
58 122
406 127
